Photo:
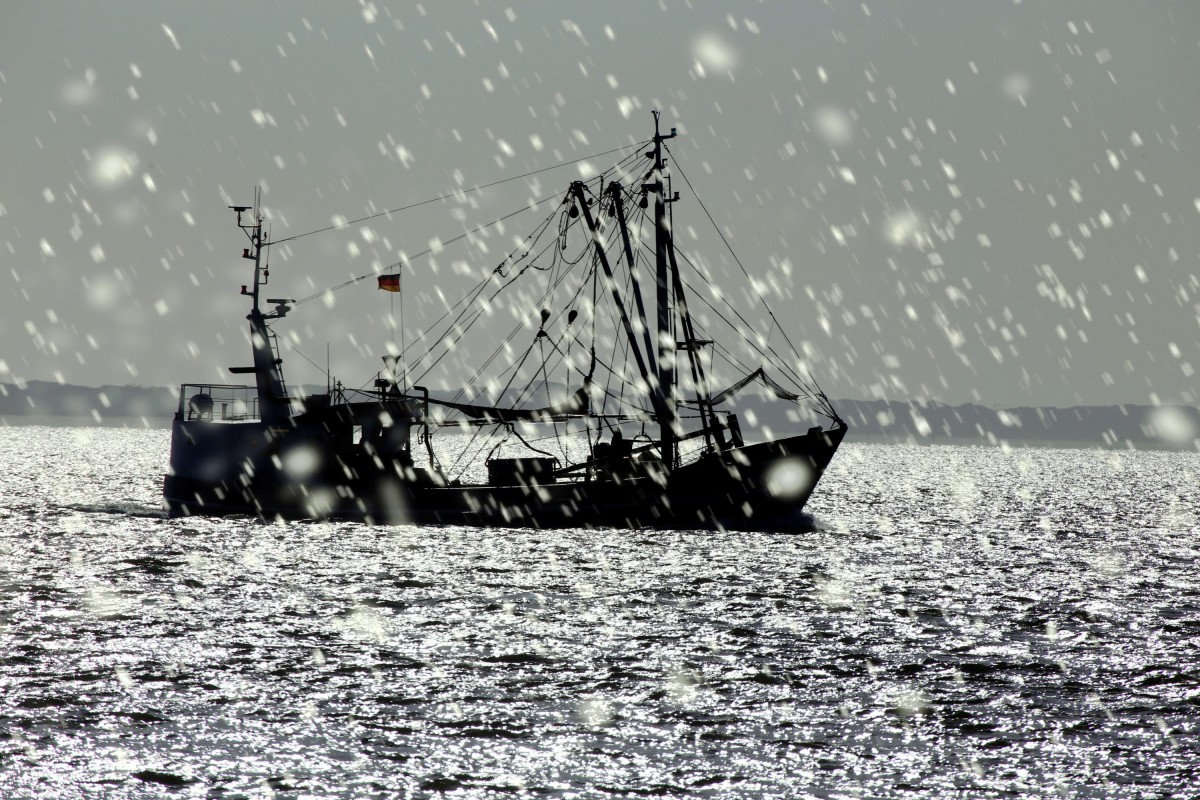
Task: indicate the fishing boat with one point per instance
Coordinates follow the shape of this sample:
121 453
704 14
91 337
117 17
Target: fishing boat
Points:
634 435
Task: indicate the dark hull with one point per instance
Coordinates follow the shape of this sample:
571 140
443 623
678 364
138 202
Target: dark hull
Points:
760 487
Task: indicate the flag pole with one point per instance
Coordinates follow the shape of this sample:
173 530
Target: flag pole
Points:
403 369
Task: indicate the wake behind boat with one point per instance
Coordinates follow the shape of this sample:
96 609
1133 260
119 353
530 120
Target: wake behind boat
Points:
642 440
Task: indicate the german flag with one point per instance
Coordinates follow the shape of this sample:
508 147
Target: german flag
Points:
389 283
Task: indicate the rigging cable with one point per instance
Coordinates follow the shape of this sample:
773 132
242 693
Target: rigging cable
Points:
460 192
424 252
768 352
729 247
527 245
464 327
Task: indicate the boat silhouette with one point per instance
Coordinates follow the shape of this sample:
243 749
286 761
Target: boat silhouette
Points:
642 440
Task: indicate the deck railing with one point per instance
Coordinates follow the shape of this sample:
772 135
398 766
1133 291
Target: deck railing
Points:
213 401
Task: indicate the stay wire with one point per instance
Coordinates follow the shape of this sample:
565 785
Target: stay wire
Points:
511 278
766 351
459 193
424 252
812 391
528 246
745 272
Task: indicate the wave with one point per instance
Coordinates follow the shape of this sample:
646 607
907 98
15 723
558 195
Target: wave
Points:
118 508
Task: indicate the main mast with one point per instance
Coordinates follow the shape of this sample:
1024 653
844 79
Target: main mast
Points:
662 280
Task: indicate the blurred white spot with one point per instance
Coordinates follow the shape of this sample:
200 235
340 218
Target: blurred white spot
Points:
112 166
171 35
78 93
833 592
320 502
713 52
682 685
365 623
262 118
123 677
911 704
788 479
595 712
834 125
234 65
102 293
162 308
1017 86
97 253
301 462
1172 425
104 603
847 175
906 228
920 423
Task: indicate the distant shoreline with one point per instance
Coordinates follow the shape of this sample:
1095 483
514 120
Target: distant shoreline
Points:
854 437
1112 427
61 421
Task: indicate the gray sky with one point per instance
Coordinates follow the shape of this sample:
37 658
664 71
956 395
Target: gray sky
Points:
989 201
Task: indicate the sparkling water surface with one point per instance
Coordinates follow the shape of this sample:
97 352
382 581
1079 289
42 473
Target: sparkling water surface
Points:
967 622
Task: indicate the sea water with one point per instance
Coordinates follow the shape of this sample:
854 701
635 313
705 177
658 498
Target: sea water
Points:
967 622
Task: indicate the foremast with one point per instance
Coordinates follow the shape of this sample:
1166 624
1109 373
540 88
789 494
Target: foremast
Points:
273 405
